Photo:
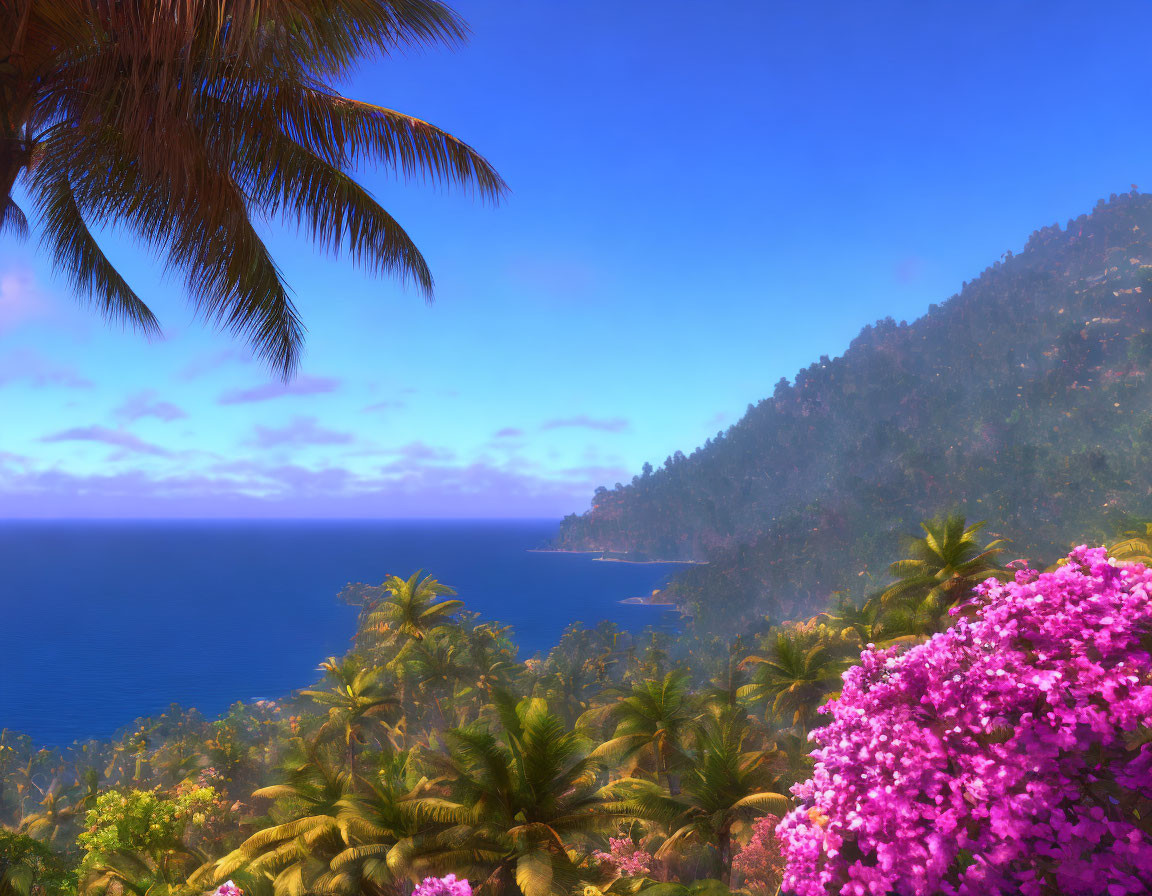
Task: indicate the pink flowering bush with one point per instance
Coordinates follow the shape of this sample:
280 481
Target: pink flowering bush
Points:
443 886
626 857
761 863
1005 755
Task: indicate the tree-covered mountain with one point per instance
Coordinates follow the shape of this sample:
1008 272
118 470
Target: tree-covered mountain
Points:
1023 400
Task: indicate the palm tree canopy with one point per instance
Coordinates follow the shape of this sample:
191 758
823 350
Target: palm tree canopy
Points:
360 698
725 782
794 675
330 841
942 566
655 717
412 608
515 799
186 121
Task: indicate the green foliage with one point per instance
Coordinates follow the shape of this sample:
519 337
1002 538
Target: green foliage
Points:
140 839
433 750
794 676
940 570
143 820
519 795
30 868
727 781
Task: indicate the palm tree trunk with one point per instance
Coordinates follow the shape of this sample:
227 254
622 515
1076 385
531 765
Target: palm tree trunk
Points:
725 842
662 770
15 102
13 158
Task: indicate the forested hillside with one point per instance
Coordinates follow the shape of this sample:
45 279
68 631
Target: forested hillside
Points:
1022 400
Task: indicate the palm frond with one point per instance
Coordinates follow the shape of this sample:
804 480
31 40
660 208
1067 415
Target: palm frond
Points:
12 219
75 251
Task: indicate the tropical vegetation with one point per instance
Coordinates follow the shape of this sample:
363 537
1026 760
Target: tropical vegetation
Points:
432 757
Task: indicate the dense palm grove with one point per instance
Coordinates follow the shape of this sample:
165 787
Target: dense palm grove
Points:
617 763
1024 399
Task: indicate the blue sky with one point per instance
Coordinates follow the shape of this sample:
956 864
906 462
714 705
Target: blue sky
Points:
705 198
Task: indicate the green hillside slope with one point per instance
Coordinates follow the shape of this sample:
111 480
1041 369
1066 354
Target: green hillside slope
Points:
1023 400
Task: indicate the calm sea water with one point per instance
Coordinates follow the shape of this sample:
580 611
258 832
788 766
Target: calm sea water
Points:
102 622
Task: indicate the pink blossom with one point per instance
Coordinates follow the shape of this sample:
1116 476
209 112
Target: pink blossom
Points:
626 857
228 889
443 886
761 862
997 757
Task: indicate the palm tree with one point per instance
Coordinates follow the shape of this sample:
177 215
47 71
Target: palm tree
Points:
865 620
303 825
328 840
439 669
1135 545
725 782
491 660
941 568
654 722
514 802
359 701
185 122
57 814
412 609
794 675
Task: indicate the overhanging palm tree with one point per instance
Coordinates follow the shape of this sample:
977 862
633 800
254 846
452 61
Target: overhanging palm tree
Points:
186 121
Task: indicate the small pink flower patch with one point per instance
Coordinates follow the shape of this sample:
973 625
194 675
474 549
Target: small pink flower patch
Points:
443 886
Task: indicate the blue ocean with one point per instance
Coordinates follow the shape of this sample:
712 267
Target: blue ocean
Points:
102 622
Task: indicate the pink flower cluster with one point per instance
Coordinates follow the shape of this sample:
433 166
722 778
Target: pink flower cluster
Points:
443 886
228 889
998 757
626 857
761 863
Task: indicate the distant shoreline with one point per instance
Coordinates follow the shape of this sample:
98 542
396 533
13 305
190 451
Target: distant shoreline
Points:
647 602
603 559
648 562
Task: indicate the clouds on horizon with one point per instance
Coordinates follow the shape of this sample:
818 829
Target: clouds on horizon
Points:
206 363
583 421
29 367
145 404
300 431
411 489
118 438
